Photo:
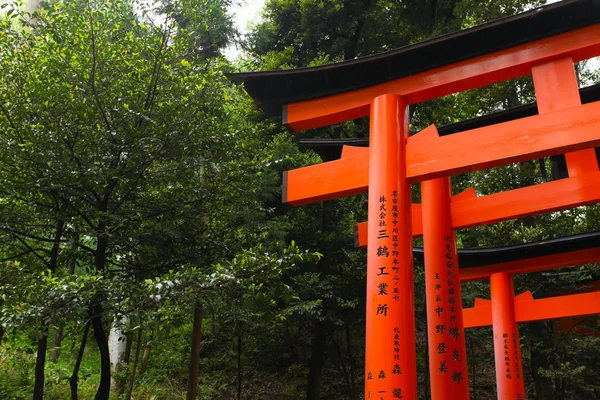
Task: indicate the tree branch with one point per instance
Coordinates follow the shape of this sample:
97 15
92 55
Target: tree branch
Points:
22 254
93 71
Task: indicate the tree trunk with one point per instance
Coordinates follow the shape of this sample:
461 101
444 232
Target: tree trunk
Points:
56 343
351 362
344 371
138 345
117 344
543 385
127 355
75 375
103 391
192 388
32 6
40 362
213 324
239 360
317 361
58 333
145 359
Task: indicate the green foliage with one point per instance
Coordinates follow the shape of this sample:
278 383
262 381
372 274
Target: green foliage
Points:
133 174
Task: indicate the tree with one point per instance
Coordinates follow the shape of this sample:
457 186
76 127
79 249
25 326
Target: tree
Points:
116 134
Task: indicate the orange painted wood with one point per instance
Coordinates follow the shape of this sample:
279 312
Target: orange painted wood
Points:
531 265
361 229
326 181
469 211
556 88
350 151
481 313
478 316
390 352
507 346
528 309
484 70
516 203
445 330
430 156
557 307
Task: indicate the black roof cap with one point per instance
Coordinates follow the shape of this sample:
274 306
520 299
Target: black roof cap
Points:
271 90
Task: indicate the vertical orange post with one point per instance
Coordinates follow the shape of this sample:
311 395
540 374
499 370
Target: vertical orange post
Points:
390 359
556 89
447 350
507 347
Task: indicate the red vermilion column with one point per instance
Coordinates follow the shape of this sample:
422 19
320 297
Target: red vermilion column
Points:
390 359
445 329
507 347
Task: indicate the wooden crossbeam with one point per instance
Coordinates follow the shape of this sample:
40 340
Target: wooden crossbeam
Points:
527 309
517 61
470 211
431 156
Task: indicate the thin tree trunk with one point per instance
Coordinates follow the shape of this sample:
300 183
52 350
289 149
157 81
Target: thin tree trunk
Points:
338 350
473 363
543 384
32 6
56 343
239 360
117 345
145 358
127 355
213 324
58 333
103 391
40 362
351 362
138 345
192 388
75 375
317 362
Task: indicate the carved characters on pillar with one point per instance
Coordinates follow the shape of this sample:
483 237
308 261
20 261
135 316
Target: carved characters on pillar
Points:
453 329
512 356
387 277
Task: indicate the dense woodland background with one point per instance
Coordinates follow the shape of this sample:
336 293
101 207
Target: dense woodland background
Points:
140 199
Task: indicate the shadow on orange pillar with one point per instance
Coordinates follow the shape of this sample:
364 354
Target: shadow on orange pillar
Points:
507 346
445 329
390 359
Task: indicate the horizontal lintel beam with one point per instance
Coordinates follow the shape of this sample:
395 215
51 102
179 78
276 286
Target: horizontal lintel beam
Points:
432 156
506 64
468 212
528 310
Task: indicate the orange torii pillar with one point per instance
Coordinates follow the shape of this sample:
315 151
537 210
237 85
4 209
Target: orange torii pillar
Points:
446 334
507 346
390 359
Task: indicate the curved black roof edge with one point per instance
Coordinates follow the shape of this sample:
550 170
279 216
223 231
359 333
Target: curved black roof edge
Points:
271 90
480 257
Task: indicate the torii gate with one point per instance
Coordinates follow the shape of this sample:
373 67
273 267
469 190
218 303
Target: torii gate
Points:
545 43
